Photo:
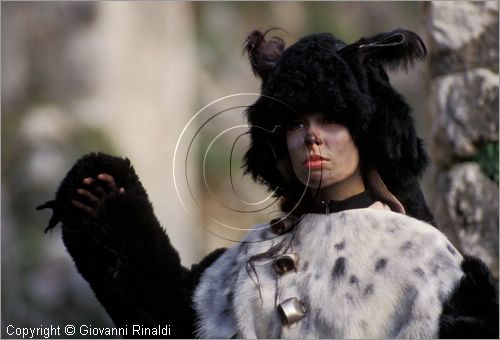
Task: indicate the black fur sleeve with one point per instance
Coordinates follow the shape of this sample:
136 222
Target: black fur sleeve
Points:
123 252
471 312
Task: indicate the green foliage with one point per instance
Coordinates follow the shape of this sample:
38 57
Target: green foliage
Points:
487 158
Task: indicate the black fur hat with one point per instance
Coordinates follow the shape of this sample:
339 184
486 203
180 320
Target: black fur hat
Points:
320 73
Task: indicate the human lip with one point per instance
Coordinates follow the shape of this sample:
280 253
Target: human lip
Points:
314 161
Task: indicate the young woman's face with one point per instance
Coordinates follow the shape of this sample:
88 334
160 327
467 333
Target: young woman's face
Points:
323 154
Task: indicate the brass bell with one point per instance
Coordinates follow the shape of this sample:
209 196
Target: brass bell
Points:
291 310
286 262
281 225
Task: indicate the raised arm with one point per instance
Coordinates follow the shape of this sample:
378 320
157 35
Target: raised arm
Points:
119 247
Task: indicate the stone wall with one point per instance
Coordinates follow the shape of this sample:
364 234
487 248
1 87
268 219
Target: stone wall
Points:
463 116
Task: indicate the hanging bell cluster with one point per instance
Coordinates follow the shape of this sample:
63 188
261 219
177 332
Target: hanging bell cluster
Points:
291 310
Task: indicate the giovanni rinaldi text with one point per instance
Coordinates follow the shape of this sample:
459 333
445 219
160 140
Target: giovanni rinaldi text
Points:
86 330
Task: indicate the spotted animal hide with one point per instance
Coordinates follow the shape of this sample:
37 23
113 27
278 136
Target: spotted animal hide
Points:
362 273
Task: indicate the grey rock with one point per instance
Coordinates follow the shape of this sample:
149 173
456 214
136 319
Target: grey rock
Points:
468 209
465 111
453 24
458 45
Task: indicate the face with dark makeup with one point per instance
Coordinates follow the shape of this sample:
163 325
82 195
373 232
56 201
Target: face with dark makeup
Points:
323 156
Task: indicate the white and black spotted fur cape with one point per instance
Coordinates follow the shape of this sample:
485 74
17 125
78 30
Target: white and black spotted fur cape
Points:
136 273
363 273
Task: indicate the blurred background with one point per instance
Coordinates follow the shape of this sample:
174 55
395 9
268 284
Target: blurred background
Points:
150 81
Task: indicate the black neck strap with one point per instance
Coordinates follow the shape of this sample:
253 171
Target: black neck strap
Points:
358 201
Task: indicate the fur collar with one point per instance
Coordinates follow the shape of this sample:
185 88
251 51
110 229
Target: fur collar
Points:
363 273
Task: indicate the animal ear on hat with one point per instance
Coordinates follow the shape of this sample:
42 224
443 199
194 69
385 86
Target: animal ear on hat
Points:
263 54
397 49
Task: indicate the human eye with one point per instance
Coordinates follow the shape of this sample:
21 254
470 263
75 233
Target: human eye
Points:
329 120
296 124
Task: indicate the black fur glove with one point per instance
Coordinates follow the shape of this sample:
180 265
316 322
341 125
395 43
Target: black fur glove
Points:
121 249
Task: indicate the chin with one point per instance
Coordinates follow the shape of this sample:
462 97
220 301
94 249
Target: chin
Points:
316 179
314 183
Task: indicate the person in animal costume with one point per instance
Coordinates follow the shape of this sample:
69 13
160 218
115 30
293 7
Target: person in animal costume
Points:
353 254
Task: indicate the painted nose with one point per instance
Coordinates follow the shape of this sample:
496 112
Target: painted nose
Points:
311 139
